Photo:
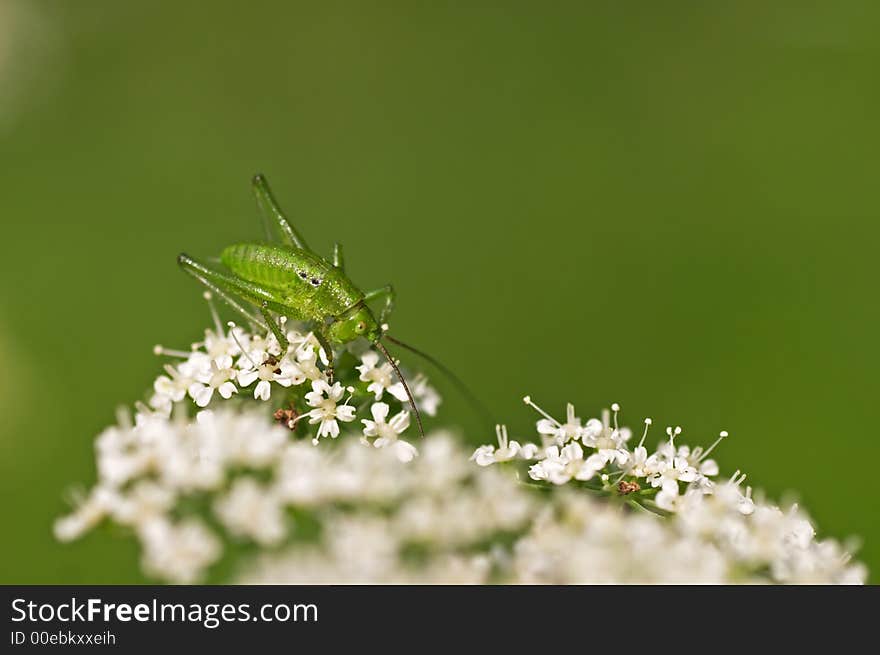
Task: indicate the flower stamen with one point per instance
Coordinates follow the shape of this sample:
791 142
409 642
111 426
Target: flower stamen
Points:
159 350
673 433
528 401
648 423
244 352
214 316
721 437
615 408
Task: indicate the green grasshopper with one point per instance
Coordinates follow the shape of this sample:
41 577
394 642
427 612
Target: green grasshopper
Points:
290 279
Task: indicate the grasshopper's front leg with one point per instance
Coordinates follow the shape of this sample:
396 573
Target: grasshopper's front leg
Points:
275 327
325 344
390 296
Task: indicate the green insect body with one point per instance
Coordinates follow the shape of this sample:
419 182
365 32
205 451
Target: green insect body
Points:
289 279
304 287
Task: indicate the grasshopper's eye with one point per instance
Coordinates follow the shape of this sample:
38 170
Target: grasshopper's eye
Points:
360 327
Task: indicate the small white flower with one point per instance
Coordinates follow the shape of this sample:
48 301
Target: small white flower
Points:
592 429
172 388
219 344
484 455
307 363
217 378
88 512
561 465
668 497
386 433
708 467
179 552
308 345
145 501
610 444
285 373
732 495
327 412
252 510
561 433
698 457
381 378
506 451
637 464
253 350
427 398
669 474
166 387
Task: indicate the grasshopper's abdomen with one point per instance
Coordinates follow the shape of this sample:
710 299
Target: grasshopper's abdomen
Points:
302 281
265 265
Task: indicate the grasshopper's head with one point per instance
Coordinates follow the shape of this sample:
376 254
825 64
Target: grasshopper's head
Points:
361 323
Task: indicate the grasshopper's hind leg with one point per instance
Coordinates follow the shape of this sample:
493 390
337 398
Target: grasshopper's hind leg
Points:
386 292
271 211
338 258
213 281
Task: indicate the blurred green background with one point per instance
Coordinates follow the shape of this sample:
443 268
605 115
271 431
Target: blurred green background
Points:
669 205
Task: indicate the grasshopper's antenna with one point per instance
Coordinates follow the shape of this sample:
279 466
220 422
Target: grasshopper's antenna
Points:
463 389
412 401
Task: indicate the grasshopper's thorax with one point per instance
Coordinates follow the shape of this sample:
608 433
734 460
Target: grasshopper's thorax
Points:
305 285
360 323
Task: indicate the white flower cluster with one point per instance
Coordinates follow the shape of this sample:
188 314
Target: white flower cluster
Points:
234 362
188 488
576 538
580 539
717 531
597 454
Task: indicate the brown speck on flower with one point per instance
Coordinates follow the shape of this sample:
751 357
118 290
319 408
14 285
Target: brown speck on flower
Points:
286 417
272 361
624 487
